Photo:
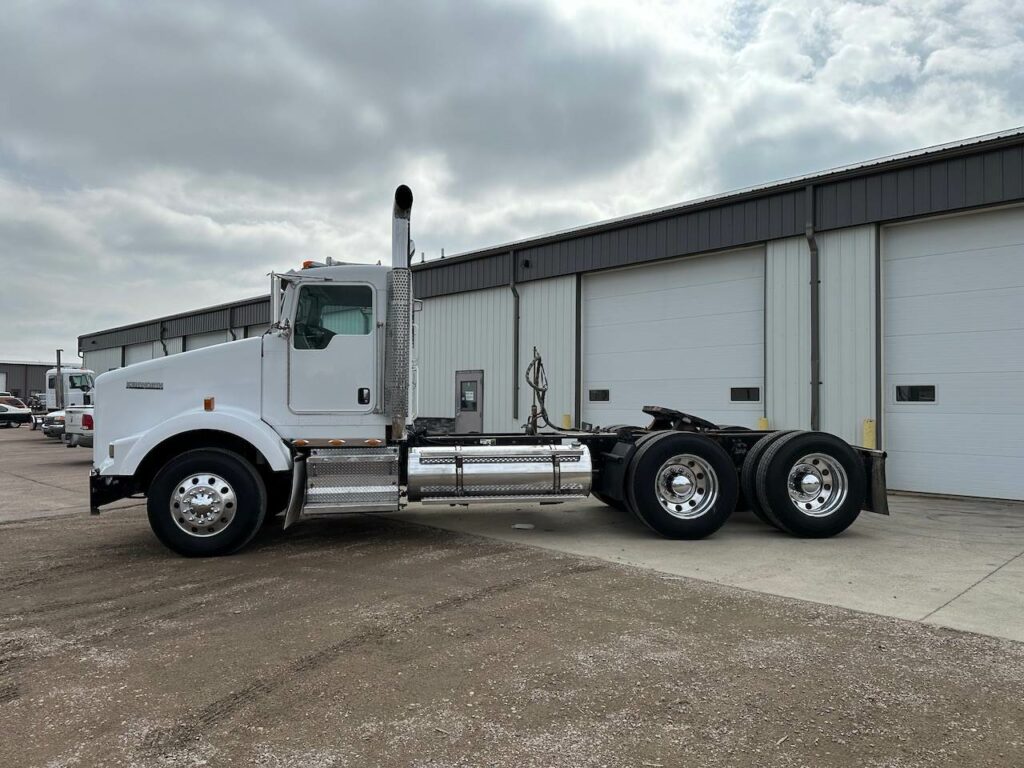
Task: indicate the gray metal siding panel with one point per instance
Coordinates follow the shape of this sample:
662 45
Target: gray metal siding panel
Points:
460 276
848 332
24 378
463 332
103 360
548 321
957 182
938 193
939 186
1013 173
255 313
787 395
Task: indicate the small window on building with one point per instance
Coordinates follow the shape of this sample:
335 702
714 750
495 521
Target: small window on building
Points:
745 394
915 393
467 396
600 395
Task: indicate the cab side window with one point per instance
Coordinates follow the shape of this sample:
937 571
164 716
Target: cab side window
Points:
326 311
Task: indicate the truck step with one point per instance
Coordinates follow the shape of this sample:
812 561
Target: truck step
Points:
347 480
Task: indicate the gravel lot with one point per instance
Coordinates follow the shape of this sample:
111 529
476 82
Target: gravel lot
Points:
369 641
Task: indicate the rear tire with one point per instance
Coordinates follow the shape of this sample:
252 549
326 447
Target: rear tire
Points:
812 483
748 476
681 485
206 503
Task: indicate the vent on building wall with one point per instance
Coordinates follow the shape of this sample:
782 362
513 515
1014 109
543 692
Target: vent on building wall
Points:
745 394
915 393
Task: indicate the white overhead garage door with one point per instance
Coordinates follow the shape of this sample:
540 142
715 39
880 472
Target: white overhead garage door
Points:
200 340
687 334
138 353
954 354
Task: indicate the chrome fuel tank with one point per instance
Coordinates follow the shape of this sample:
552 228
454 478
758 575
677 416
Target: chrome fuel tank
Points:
494 473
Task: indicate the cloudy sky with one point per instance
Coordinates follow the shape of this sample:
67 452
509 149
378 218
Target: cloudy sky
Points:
159 157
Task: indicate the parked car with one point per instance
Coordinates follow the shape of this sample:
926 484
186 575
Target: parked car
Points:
78 426
53 425
13 412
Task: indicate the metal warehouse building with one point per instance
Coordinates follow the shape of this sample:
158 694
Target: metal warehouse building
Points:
23 379
890 291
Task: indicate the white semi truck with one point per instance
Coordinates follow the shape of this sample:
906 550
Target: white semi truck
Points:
316 418
74 386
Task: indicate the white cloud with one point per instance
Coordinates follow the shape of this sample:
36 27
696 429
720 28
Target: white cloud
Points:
159 158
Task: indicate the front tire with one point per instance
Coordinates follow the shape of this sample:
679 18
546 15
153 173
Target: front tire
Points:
206 503
682 486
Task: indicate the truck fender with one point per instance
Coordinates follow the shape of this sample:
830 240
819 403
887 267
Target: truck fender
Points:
243 424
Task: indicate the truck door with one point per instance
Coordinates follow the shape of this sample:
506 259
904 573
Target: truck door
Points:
469 401
332 352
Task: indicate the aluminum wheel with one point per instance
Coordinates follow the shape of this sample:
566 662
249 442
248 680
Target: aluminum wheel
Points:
817 485
686 486
203 505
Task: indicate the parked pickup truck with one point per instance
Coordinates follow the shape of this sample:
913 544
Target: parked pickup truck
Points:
78 426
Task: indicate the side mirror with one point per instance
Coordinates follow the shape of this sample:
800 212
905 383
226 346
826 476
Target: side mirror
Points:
281 328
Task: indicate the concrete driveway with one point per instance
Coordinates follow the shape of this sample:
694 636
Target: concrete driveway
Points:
954 563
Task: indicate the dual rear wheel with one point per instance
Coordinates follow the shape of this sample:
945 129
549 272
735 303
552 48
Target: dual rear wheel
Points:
809 484
685 486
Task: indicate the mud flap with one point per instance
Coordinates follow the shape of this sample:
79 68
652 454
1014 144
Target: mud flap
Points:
876 499
298 497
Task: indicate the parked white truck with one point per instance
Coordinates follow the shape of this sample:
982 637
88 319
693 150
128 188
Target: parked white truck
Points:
315 418
78 426
74 387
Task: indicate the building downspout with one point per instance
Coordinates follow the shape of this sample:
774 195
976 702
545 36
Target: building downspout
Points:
163 338
515 335
812 245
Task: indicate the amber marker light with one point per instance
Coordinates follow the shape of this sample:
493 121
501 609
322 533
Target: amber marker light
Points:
207 403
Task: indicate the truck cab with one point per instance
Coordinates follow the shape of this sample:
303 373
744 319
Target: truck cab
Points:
76 387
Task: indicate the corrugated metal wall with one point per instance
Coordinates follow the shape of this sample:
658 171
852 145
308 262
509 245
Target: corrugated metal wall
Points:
103 360
847 260
464 332
208 339
788 334
547 310
137 353
24 378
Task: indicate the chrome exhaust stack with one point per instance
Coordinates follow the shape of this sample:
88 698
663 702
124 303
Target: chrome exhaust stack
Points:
399 319
401 251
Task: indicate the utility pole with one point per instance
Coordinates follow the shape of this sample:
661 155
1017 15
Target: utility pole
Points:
60 383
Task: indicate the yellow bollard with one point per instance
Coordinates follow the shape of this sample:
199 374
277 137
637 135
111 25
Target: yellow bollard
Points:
566 421
869 438
762 423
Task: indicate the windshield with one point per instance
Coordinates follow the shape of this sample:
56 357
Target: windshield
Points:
12 401
80 381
